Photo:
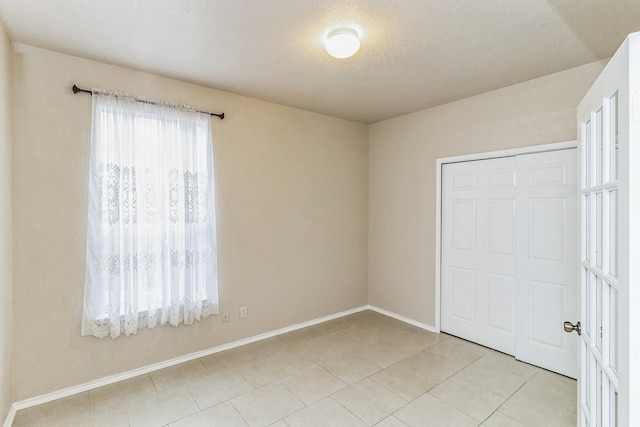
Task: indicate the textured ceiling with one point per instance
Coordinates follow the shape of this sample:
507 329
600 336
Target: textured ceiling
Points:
415 53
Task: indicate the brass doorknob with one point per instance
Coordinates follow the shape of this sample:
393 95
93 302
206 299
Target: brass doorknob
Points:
570 327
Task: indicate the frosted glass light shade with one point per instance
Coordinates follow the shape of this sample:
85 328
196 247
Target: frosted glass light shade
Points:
342 43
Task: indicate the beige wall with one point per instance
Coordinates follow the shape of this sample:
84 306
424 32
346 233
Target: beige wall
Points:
402 174
6 324
292 203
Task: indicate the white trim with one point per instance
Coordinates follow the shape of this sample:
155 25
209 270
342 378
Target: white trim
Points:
557 146
415 323
10 416
69 391
439 163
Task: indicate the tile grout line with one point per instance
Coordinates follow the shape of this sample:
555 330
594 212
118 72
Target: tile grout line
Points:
237 410
444 380
348 410
509 398
436 385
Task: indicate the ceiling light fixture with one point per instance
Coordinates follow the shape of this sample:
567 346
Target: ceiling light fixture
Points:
342 43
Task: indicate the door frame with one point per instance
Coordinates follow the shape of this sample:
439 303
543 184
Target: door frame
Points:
543 148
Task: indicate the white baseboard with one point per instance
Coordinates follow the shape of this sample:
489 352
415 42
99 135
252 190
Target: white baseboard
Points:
10 416
69 391
415 323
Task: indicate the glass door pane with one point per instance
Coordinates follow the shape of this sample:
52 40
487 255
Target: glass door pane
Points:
613 129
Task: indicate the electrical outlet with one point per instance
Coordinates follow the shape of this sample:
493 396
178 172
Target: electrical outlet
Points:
243 311
225 316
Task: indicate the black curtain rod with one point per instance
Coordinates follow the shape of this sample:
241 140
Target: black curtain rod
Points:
76 89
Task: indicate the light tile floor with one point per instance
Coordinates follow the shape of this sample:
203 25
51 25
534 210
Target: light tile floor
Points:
361 370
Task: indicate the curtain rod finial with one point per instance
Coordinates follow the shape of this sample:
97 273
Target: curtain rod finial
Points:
76 89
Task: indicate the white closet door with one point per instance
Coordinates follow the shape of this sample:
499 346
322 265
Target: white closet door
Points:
546 279
509 254
478 252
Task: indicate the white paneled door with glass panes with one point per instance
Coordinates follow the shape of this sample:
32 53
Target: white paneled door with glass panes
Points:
509 248
609 136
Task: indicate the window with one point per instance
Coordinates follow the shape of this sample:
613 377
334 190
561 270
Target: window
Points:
151 235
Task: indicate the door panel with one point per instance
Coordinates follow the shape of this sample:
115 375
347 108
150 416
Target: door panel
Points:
547 252
546 308
478 252
463 294
464 224
547 219
501 226
501 301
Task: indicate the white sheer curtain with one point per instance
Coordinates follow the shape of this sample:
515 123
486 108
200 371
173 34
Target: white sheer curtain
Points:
151 240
